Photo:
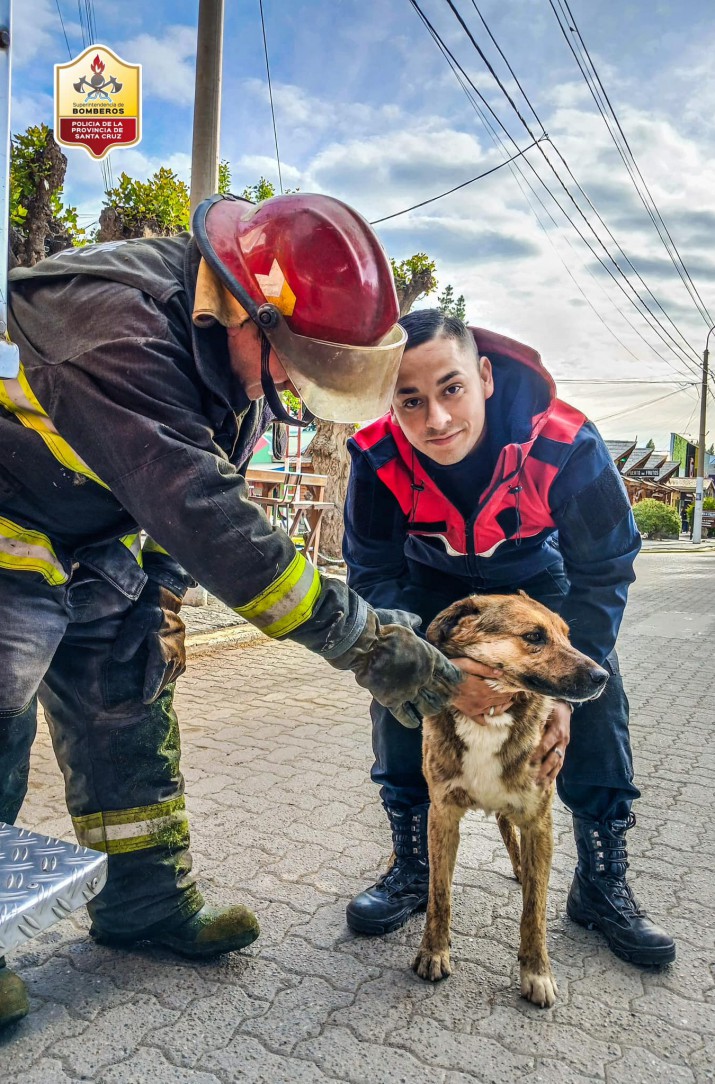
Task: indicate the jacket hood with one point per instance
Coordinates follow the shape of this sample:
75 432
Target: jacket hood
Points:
523 389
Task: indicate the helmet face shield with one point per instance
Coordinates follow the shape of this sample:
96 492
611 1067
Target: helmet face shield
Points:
313 276
339 383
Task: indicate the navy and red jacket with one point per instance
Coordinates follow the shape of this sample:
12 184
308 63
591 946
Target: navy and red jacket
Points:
551 501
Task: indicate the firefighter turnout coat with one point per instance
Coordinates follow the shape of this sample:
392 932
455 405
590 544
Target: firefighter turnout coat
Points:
126 416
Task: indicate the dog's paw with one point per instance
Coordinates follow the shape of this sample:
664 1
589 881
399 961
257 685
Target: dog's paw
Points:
432 966
540 989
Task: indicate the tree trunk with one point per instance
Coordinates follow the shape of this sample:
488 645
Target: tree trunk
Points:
329 455
41 234
420 283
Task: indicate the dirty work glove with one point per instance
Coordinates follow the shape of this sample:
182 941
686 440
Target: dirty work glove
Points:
405 674
154 621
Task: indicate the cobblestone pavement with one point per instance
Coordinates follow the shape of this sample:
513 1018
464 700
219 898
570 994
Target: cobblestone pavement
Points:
285 818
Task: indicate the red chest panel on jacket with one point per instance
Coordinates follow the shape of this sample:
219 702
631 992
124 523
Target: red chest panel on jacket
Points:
515 503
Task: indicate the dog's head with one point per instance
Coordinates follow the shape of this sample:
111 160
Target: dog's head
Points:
524 640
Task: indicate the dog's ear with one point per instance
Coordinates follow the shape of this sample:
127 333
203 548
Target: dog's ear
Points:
444 624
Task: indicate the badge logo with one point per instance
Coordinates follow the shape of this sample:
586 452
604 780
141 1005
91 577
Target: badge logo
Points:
98 102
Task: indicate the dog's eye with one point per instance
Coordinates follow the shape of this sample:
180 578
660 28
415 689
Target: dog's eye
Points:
535 637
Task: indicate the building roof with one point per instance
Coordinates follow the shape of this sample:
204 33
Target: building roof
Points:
667 470
636 459
687 485
620 450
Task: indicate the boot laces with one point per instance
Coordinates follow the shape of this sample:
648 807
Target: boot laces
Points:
611 861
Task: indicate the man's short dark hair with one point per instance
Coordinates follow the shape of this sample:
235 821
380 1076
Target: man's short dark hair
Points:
423 325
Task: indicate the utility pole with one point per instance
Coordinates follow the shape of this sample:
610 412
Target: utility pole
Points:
9 355
698 513
207 102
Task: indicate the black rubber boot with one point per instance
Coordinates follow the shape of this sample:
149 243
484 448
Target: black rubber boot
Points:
14 1002
600 897
210 932
403 889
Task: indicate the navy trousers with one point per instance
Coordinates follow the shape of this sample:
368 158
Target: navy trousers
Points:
596 780
119 757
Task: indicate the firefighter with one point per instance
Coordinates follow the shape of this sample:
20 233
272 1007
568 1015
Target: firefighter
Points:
150 368
481 480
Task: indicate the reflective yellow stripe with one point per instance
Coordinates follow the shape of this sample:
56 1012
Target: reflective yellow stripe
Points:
18 397
29 551
133 543
287 602
118 831
153 547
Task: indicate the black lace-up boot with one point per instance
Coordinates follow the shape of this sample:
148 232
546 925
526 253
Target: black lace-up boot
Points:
403 889
601 898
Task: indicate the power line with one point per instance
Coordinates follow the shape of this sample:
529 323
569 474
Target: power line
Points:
629 410
598 92
270 95
650 383
59 12
377 221
570 195
463 79
636 300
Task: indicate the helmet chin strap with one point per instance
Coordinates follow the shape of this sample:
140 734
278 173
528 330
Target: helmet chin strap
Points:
269 389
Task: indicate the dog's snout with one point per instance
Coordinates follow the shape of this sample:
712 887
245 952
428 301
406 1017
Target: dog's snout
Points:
598 675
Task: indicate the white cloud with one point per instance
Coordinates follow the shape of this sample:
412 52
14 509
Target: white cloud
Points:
168 63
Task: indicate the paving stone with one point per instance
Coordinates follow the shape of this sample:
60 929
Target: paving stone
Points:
640 1066
339 1052
206 1024
296 1014
113 1036
438 1046
245 1061
149 1065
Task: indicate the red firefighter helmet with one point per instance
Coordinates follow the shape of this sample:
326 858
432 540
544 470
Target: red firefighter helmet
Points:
313 276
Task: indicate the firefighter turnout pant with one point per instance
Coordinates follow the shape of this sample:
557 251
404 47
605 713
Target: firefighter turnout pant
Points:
119 757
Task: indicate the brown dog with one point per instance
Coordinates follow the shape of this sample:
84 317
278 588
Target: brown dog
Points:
488 767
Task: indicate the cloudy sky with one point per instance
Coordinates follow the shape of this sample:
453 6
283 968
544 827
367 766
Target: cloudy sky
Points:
368 110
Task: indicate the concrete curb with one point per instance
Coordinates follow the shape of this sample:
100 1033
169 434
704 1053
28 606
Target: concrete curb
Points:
201 643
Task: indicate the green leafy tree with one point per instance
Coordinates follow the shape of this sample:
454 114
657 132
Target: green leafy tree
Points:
708 506
414 279
651 444
157 207
655 519
40 222
451 305
257 192
224 177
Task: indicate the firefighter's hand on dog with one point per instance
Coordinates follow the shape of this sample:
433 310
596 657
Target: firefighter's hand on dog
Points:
549 754
475 696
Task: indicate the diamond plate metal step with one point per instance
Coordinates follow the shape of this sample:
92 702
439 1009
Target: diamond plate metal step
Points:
41 881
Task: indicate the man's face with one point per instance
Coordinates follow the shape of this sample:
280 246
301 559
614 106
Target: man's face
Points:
439 400
244 348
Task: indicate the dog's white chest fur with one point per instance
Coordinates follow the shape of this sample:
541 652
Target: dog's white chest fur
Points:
481 775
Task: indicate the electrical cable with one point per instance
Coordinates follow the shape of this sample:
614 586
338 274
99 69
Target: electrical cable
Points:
645 312
629 410
377 221
59 12
595 86
270 95
517 172
568 194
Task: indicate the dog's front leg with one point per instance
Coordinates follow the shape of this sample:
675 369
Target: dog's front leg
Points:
432 960
537 981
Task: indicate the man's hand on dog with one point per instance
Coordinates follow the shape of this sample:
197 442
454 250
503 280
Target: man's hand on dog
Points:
475 696
549 754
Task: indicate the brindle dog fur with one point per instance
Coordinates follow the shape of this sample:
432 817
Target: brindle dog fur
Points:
472 766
